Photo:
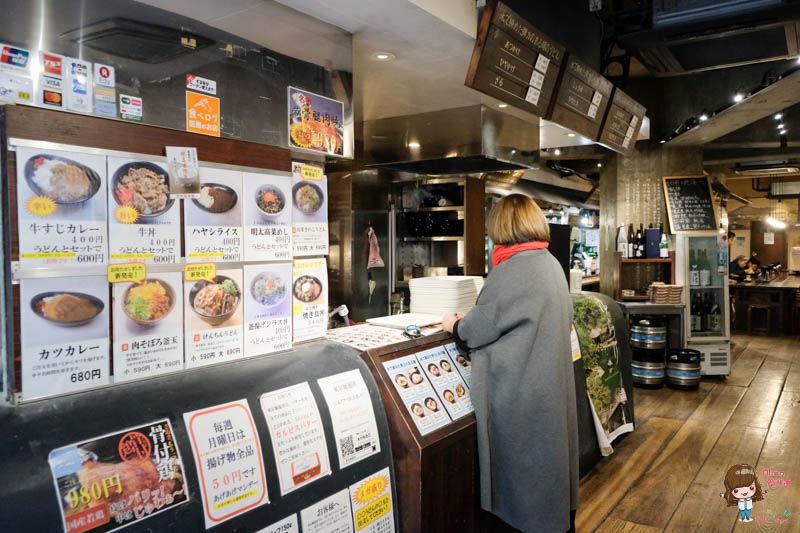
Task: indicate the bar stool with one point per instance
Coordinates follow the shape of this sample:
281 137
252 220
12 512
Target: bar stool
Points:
751 310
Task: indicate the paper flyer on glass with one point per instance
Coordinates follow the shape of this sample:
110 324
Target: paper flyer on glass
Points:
111 482
298 436
452 391
267 308
331 515
371 500
354 427
417 394
227 455
148 326
61 206
213 319
287 525
309 299
267 217
144 222
213 221
309 210
316 123
64 335
461 361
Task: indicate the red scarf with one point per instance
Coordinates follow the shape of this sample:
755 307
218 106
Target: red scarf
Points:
502 252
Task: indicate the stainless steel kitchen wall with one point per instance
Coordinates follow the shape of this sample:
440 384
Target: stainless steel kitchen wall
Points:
251 80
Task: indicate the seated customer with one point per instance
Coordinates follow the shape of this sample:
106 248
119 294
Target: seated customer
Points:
738 269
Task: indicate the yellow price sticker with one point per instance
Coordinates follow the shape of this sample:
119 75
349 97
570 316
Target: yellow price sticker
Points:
126 214
41 206
126 272
200 255
310 172
48 255
200 272
133 256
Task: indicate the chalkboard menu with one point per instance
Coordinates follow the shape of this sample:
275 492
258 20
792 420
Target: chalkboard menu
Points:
582 99
513 61
622 124
690 204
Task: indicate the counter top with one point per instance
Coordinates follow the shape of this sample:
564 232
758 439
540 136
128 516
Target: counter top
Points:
784 281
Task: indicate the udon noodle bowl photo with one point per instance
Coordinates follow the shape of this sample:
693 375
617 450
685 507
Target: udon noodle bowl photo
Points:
307 197
216 302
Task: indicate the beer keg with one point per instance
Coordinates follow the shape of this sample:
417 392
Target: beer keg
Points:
683 369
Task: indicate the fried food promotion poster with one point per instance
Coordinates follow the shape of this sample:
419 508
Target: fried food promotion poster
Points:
213 221
310 210
118 479
64 335
213 319
267 217
309 299
61 206
144 222
148 326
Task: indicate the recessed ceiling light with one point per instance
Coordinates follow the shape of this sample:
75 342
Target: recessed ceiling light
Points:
599 165
570 135
778 116
703 117
738 97
383 56
557 151
502 106
413 144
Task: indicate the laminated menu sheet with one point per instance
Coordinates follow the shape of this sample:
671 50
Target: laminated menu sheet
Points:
310 298
310 210
417 394
267 308
267 217
446 380
213 221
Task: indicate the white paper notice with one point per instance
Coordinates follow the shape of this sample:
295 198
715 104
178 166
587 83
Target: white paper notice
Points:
213 222
287 525
354 426
592 111
575 344
267 217
533 95
267 308
64 335
213 318
79 85
446 380
537 79
144 222
61 208
310 210
148 327
297 434
372 503
542 62
227 454
310 299
769 237
597 97
462 362
417 394
331 515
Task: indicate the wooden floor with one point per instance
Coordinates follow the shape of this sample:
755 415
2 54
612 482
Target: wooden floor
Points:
668 474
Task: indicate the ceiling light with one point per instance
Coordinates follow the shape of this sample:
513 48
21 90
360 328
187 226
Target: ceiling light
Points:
599 165
557 151
570 135
775 223
413 144
502 106
662 141
383 56
778 116
738 97
781 126
703 117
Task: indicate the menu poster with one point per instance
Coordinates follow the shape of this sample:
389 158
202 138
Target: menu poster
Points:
184 168
148 326
79 85
144 222
213 319
354 428
310 213
316 123
267 308
287 525
268 217
417 394
309 299
61 208
446 380
298 438
372 503
213 221
461 361
331 515
64 335
118 479
228 459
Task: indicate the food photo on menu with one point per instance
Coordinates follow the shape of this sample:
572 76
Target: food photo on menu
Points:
416 393
61 208
143 186
213 221
267 217
148 326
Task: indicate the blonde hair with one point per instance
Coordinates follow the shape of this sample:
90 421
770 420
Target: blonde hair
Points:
517 219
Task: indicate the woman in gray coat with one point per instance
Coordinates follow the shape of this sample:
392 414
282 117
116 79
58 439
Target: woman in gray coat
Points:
522 386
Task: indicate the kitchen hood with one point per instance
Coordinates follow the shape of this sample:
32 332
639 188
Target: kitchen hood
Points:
463 140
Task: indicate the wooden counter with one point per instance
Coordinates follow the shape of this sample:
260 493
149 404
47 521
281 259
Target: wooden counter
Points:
778 294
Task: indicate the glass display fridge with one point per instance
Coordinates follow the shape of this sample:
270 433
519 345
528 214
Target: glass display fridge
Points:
702 269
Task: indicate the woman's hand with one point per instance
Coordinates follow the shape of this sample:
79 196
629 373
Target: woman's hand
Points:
449 321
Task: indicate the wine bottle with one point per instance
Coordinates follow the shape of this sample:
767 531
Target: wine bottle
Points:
705 269
694 274
697 314
640 242
715 316
631 242
622 241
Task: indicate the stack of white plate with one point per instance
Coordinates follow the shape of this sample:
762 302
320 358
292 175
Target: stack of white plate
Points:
439 295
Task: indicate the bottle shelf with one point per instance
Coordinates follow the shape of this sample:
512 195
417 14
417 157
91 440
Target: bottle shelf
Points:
646 261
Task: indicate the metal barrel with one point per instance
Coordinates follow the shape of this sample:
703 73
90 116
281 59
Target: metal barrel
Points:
650 337
648 368
683 369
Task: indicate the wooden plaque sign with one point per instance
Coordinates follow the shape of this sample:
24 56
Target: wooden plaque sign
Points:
513 61
690 204
622 124
582 99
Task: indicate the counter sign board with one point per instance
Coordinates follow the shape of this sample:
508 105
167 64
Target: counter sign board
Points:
622 124
513 61
582 99
690 205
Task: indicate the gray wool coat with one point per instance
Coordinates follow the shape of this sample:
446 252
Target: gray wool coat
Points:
523 390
